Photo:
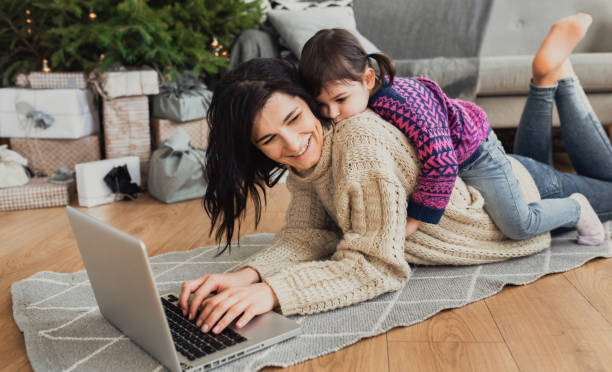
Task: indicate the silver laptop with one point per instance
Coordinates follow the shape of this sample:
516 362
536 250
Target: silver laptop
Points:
122 282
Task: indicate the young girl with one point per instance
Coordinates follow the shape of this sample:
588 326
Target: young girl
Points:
452 137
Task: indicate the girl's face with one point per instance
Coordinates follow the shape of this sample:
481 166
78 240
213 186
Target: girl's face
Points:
343 99
287 131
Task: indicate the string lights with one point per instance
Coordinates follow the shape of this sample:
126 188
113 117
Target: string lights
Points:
46 67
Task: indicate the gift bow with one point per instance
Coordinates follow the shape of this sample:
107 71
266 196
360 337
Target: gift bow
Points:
41 119
187 82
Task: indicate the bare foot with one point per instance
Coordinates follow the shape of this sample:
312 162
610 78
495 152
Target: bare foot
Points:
551 61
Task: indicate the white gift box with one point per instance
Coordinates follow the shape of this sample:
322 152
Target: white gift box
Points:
129 83
90 179
73 112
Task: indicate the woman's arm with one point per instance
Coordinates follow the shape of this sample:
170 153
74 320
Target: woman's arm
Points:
309 233
368 261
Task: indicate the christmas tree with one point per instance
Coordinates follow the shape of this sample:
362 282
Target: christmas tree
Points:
76 35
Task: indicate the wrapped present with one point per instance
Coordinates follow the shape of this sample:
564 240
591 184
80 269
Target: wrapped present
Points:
92 189
38 193
197 131
48 155
185 99
126 83
127 130
47 113
52 80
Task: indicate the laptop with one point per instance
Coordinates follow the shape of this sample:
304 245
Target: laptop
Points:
120 274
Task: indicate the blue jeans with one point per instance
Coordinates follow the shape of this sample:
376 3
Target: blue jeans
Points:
491 173
585 140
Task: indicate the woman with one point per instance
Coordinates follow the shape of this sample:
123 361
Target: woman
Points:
343 242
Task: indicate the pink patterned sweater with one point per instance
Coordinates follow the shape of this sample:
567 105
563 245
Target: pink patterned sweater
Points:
445 132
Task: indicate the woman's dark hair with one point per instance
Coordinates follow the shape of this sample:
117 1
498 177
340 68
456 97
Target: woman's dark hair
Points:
235 168
336 54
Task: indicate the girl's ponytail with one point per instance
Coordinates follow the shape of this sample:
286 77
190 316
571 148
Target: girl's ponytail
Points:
386 67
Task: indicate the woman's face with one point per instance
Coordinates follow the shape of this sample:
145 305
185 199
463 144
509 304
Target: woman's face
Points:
287 131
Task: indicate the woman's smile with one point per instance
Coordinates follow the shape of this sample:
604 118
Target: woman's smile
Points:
306 147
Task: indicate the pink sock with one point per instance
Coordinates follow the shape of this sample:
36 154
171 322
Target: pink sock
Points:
590 228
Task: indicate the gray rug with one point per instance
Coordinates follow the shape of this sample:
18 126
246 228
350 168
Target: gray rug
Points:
64 330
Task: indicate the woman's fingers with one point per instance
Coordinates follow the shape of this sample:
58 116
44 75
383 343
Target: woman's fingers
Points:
246 317
231 314
200 295
214 308
188 287
219 311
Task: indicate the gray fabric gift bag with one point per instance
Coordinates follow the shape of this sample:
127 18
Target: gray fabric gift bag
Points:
176 170
183 100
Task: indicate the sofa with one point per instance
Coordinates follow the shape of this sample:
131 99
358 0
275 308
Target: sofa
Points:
511 32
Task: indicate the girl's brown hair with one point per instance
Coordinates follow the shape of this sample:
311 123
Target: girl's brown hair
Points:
336 54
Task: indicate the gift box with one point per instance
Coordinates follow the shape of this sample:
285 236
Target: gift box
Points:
126 129
52 80
38 193
92 189
127 83
47 155
47 113
186 99
197 131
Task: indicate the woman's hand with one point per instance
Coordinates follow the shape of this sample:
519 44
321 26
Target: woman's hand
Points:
208 283
412 224
230 303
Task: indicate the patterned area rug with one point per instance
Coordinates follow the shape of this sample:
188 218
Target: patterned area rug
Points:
64 331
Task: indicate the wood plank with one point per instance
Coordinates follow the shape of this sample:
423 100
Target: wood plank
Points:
369 354
471 323
594 281
450 356
549 326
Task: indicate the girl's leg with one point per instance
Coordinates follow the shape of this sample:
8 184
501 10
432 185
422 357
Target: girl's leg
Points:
533 136
586 142
551 64
492 175
554 184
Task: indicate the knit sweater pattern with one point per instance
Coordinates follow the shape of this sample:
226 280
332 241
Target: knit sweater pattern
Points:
445 133
343 241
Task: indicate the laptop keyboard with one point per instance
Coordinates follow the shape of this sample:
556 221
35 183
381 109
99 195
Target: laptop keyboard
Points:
189 340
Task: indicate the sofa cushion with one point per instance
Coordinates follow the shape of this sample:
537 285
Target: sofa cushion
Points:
296 27
505 111
517 27
506 75
425 28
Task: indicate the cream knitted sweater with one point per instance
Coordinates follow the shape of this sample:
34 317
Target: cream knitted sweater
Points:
343 241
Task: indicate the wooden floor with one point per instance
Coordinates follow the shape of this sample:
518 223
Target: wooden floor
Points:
561 322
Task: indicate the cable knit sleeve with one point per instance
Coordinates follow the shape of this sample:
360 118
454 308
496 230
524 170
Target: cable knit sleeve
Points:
370 204
309 233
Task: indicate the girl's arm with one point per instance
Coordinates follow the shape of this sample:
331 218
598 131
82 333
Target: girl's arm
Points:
420 113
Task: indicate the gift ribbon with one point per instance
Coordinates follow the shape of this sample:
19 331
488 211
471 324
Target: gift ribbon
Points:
120 182
35 119
39 118
187 82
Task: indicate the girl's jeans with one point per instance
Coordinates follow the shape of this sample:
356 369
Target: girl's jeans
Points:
589 150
